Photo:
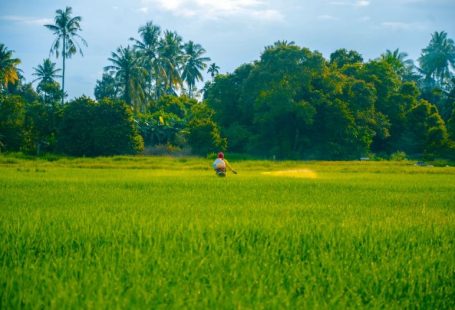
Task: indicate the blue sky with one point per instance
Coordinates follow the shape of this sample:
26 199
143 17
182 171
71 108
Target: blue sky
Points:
232 31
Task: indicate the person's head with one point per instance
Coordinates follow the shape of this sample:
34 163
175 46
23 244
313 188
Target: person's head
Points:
221 155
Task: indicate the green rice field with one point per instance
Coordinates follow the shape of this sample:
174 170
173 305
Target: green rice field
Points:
160 233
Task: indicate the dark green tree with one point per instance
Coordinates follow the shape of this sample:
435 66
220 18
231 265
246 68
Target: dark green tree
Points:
12 116
45 75
90 128
41 122
106 88
204 136
425 132
400 63
437 59
213 70
342 57
233 115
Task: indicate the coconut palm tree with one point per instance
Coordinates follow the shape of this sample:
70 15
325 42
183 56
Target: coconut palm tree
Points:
129 73
214 70
106 87
437 58
194 64
46 74
401 65
9 73
66 30
280 43
170 60
148 49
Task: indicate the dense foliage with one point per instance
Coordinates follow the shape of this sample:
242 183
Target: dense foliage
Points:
90 128
291 103
144 97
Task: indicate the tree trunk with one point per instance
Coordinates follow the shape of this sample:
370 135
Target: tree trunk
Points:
63 75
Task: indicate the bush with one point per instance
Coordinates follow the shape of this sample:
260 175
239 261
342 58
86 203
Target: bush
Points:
398 156
166 149
90 128
204 137
12 115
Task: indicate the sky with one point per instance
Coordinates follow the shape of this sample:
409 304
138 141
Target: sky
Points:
233 32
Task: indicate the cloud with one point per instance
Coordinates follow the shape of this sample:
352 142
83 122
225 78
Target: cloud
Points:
144 10
327 17
271 15
27 20
362 3
210 9
395 25
357 3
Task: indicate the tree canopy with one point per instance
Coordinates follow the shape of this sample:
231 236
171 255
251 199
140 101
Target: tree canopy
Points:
290 103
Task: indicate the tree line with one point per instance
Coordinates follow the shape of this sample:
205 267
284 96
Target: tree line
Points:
294 103
146 98
290 103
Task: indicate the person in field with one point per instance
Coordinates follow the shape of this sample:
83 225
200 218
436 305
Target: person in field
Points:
220 164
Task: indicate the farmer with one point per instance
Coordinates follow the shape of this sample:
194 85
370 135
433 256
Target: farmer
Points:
220 165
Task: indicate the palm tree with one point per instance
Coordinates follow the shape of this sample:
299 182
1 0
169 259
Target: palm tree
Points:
46 74
127 70
194 63
106 87
9 73
400 64
170 60
280 43
148 48
65 29
214 70
437 58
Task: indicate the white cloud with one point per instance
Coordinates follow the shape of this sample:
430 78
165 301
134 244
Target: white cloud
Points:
211 9
362 3
271 15
396 25
27 20
327 17
357 3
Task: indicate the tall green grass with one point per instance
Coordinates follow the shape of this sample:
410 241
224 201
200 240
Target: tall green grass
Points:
144 232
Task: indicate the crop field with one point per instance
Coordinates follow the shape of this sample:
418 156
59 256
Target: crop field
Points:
158 232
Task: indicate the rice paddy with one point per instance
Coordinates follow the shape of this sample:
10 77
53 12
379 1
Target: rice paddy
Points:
158 232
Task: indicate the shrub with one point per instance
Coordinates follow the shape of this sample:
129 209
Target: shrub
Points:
204 137
90 128
398 156
12 115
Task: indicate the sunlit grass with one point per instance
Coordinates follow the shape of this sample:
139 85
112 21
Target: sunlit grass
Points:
144 232
295 173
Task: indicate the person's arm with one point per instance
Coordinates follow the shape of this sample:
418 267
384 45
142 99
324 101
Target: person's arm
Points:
229 166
